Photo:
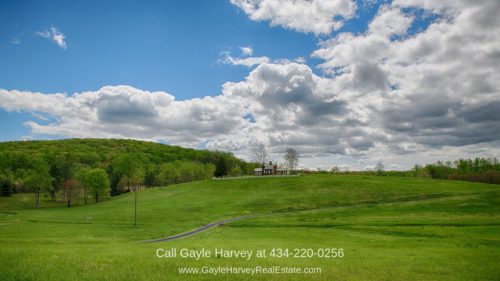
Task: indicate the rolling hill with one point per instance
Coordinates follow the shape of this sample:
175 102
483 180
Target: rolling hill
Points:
416 229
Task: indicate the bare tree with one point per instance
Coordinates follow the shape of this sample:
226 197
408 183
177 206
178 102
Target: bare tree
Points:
291 158
259 153
379 168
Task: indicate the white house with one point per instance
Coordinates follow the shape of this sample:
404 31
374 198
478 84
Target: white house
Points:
269 169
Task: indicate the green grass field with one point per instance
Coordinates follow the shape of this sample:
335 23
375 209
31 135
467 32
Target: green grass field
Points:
389 228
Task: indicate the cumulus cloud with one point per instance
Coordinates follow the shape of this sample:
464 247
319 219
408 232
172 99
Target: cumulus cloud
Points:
389 21
310 16
126 112
347 50
55 35
434 89
280 98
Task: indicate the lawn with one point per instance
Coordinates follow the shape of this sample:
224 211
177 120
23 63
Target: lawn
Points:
389 228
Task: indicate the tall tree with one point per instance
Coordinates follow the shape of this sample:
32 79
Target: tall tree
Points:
291 158
136 181
80 176
123 184
97 182
259 153
220 168
169 174
38 178
379 168
150 175
62 169
126 165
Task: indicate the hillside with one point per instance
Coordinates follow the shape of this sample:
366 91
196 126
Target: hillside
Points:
104 150
415 229
60 161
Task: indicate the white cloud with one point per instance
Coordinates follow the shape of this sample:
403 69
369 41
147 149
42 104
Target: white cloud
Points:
310 16
226 58
347 50
424 91
281 98
429 5
390 21
55 35
246 51
126 112
300 60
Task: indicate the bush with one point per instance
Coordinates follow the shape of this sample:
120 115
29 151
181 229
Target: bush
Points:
6 187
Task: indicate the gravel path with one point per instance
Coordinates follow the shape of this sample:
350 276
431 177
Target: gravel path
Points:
198 230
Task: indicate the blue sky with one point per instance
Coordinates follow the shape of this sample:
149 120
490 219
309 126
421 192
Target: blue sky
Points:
344 81
152 45
172 46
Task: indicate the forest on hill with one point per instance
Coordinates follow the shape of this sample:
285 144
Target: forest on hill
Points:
72 167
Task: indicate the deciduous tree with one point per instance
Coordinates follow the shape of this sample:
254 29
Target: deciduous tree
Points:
259 153
97 182
126 165
379 168
291 158
80 176
38 178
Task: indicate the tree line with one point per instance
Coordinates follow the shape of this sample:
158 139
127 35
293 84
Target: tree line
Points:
485 170
76 170
479 169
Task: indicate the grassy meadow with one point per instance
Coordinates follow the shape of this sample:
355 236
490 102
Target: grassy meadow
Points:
390 228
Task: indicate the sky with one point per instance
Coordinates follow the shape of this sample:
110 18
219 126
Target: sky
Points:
346 83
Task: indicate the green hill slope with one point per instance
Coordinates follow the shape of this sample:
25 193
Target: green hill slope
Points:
415 229
95 151
65 157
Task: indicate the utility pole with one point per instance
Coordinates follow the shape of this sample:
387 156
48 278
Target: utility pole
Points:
135 207
136 180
